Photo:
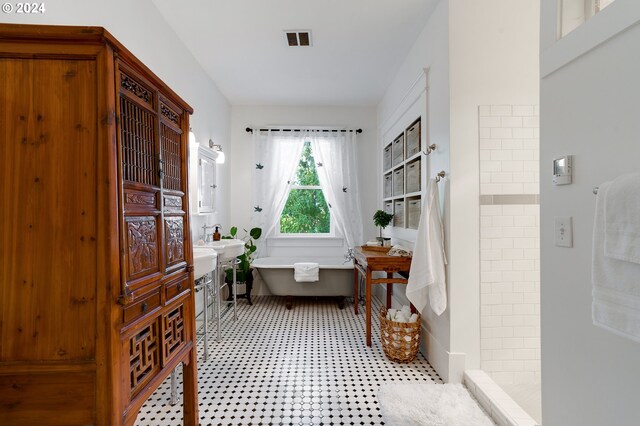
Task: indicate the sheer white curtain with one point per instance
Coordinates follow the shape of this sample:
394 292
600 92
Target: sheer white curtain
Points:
276 159
335 156
277 155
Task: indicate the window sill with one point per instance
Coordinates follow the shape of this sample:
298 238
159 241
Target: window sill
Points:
305 241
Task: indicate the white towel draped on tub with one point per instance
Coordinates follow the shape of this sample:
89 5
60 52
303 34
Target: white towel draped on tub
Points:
616 283
622 219
427 279
306 272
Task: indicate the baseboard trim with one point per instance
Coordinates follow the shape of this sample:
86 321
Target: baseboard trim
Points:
449 365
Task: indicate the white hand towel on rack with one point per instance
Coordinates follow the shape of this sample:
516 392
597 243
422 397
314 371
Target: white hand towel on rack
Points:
622 218
306 272
616 283
427 280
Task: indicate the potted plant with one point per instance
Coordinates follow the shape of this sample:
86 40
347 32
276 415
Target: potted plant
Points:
382 219
244 272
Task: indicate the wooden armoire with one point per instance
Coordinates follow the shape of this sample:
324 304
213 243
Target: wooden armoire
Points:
96 276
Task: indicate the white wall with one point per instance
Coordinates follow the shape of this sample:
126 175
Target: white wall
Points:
140 27
430 50
477 53
242 162
589 108
510 243
494 61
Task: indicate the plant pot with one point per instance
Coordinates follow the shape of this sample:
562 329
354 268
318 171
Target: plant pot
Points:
241 277
384 241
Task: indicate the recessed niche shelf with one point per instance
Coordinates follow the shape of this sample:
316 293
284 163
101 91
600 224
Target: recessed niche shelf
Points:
402 177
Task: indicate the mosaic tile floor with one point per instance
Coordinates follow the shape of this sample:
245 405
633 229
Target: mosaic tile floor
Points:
309 365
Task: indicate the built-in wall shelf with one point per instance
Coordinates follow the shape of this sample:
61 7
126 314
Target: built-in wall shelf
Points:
402 177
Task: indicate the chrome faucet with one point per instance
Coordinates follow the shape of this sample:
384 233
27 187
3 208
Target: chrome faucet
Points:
349 256
207 237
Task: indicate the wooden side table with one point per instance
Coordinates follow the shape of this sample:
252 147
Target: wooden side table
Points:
367 260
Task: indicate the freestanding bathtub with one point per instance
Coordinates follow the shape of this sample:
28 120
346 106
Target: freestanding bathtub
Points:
335 278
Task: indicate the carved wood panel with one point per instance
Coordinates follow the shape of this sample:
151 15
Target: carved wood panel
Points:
135 88
142 245
172 202
173 332
174 237
171 157
169 113
138 139
140 198
144 356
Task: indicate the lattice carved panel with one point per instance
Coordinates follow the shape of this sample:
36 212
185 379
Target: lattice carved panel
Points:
173 332
144 356
174 236
138 139
171 157
142 245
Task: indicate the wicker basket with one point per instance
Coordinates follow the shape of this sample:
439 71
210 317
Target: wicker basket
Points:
400 340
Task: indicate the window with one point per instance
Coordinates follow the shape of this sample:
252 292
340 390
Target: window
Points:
575 12
306 211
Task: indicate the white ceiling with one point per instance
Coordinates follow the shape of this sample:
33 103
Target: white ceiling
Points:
358 46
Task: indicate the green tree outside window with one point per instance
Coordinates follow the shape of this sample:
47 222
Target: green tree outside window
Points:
306 210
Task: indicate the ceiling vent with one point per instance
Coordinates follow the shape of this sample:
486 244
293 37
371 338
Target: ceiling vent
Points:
298 38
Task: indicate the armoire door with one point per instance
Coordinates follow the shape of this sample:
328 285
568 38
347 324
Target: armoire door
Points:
139 146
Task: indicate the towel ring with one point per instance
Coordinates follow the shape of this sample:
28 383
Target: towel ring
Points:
430 148
440 175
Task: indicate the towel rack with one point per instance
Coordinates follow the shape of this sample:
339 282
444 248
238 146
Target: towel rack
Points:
440 176
595 190
430 148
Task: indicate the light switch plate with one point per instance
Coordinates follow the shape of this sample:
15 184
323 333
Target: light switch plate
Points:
564 231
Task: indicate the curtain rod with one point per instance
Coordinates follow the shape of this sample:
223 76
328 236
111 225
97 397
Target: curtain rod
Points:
250 130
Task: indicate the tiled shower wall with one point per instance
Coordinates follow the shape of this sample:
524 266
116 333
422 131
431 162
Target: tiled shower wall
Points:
510 243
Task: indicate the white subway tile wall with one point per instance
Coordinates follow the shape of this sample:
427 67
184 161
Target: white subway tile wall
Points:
509 153
510 244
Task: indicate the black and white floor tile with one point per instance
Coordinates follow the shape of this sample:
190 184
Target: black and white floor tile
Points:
308 365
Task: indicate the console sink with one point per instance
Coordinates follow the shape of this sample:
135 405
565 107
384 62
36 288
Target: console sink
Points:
204 261
226 249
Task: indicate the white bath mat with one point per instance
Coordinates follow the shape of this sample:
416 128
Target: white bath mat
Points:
422 404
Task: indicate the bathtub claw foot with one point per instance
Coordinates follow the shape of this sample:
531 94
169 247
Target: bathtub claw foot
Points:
341 300
289 302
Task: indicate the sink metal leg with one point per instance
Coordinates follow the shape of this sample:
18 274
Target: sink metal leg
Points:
174 398
206 321
235 290
218 296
